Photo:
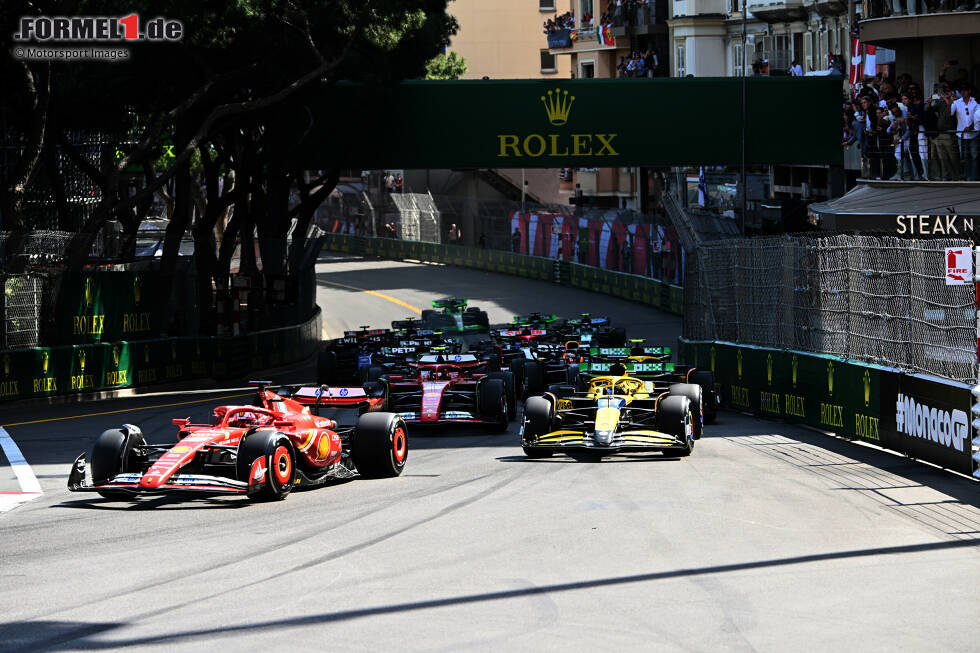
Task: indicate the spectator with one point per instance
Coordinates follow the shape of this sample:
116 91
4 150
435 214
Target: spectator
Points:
454 234
515 240
389 182
964 109
652 62
900 137
796 70
945 151
918 143
482 242
399 183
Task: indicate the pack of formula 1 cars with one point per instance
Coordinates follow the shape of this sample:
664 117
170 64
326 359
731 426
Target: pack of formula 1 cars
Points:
587 392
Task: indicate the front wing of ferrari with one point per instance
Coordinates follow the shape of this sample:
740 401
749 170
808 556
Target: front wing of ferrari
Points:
132 483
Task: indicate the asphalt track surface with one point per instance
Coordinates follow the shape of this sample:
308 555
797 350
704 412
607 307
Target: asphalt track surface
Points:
768 538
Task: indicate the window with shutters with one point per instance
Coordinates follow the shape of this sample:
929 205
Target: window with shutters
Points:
680 62
737 61
808 52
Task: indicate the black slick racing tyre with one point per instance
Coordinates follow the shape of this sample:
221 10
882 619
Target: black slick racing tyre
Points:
534 375
706 379
379 447
326 368
372 373
571 375
483 319
114 453
674 417
276 466
427 313
693 392
538 418
520 384
617 337
492 403
508 380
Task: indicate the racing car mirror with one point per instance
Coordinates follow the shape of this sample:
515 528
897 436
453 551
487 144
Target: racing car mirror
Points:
320 394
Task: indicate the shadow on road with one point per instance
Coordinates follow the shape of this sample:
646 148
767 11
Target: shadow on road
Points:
41 635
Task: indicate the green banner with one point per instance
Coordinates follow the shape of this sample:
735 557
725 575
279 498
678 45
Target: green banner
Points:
105 306
565 123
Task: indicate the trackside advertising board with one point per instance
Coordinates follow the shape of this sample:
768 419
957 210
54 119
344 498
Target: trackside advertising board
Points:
925 418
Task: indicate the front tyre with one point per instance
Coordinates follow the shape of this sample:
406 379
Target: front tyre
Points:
267 462
674 417
693 392
538 418
492 403
114 453
379 447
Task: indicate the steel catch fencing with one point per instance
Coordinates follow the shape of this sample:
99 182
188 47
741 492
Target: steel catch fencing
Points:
875 299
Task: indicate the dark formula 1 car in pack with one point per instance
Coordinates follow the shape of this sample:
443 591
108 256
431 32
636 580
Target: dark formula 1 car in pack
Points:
532 357
261 450
341 360
453 315
614 414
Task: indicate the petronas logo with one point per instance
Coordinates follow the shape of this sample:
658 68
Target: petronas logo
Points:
796 365
558 105
830 378
867 387
769 369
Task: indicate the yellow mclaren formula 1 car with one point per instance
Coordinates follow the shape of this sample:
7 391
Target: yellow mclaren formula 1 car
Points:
615 414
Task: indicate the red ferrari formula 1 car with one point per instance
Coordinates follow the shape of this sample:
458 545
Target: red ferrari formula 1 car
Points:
446 389
261 451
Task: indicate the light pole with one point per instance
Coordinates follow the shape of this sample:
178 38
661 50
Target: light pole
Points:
745 12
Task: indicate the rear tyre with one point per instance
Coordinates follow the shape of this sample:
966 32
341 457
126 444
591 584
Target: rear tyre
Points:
617 337
427 313
674 417
379 448
492 402
534 375
706 379
114 453
571 375
509 392
693 392
538 418
277 467
372 373
520 379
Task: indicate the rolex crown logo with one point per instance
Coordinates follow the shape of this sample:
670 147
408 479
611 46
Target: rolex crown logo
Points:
830 378
115 355
796 364
137 289
81 361
44 362
173 351
88 291
558 105
146 354
867 387
739 364
769 369
6 364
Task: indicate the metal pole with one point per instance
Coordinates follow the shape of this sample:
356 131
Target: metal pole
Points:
745 193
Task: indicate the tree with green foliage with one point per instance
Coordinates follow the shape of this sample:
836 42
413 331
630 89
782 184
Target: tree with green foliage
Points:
445 66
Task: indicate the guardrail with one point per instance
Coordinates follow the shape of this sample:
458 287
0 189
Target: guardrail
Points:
652 292
923 417
47 371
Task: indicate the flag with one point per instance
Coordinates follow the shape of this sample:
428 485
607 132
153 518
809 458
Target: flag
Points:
604 35
702 189
870 70
856 67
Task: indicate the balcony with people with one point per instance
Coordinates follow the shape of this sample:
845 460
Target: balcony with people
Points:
892 20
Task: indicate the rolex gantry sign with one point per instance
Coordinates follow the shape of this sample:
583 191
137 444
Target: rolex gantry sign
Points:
557 108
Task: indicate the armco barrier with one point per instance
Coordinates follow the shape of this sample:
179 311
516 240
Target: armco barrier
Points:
923 417
47 371
634 287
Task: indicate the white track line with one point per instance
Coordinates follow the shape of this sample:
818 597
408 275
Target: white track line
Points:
29 487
